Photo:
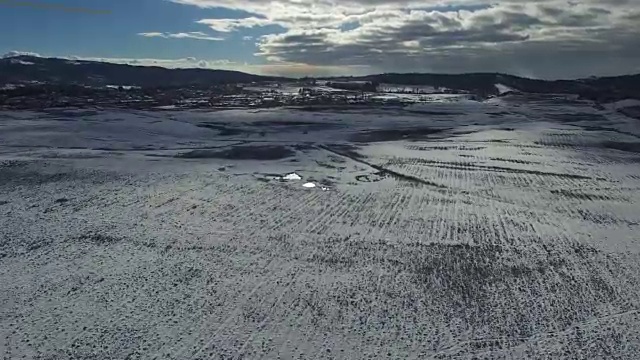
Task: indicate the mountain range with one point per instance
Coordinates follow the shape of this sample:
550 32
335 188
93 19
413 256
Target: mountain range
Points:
23 69
32 69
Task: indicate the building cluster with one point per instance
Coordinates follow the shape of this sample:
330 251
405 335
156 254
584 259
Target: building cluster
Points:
40 96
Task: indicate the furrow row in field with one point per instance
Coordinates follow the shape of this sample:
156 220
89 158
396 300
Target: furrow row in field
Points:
216 332
287 210
253 204
401 209
383 211
241 296
344 222
248 199
486 176
326 213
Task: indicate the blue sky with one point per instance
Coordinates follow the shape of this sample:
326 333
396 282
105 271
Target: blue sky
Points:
545 38
57 32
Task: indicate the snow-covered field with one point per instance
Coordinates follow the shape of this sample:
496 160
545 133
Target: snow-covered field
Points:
504 229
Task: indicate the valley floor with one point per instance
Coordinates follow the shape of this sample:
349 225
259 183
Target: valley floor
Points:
459 229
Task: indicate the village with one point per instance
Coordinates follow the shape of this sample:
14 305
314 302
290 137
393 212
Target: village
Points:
303 92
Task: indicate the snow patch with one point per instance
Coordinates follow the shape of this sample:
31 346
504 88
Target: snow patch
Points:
124 87
623 104
503 89
15 53
21 62
292 176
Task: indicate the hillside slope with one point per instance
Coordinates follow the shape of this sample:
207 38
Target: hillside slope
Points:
21 69
53 70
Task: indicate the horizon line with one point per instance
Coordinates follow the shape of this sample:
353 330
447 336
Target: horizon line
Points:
33 55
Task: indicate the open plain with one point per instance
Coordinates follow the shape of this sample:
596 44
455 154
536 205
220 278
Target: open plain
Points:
505 228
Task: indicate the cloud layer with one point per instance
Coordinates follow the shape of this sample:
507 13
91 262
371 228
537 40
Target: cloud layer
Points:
546 38
183 35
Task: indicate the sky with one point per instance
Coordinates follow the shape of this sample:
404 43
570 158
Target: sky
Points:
542 39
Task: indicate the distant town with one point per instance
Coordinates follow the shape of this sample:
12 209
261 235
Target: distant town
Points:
251 95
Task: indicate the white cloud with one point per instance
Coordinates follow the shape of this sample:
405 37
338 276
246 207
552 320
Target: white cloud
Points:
152 34
198 35
444 35
188 62
227 25
544 38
